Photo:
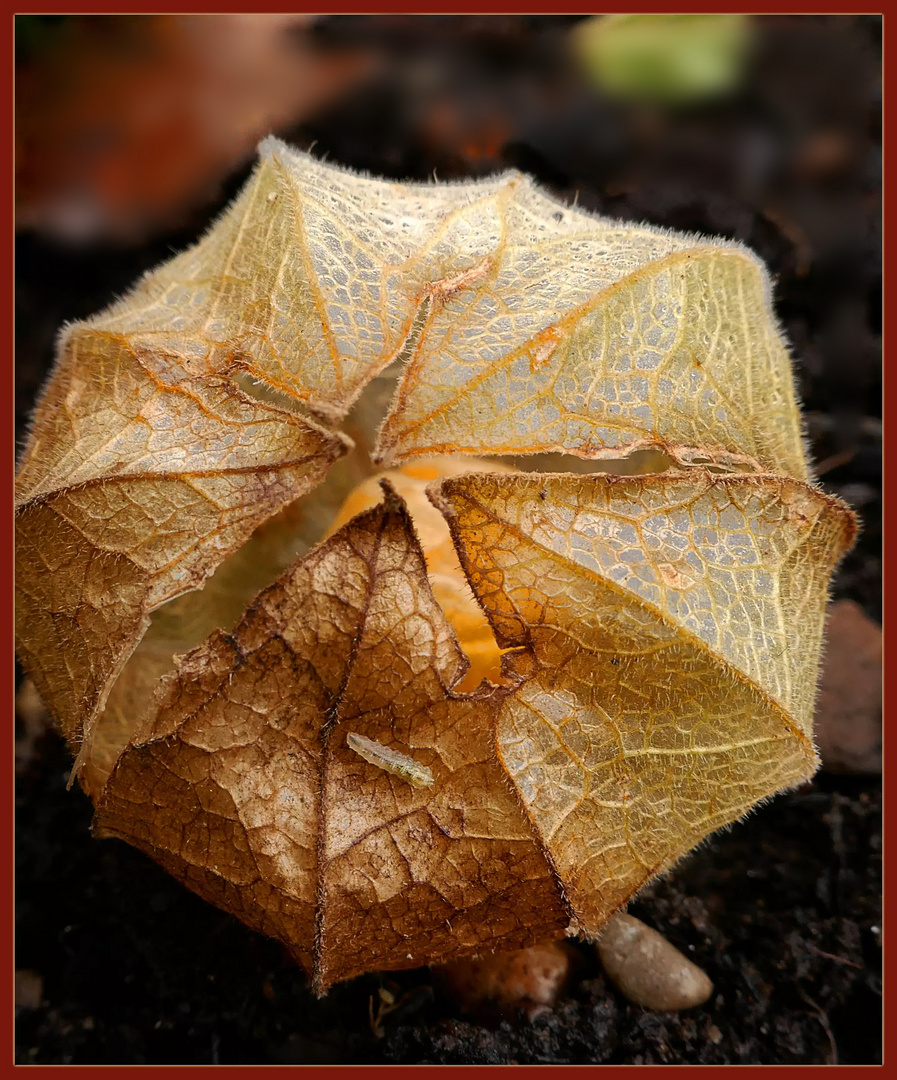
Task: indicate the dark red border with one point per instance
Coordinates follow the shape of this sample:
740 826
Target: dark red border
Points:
7 536
6 894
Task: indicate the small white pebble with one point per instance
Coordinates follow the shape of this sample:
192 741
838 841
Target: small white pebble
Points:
647 969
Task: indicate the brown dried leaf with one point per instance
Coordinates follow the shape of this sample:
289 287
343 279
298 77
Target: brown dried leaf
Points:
318 770
245 788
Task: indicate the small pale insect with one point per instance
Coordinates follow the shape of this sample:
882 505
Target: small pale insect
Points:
390 761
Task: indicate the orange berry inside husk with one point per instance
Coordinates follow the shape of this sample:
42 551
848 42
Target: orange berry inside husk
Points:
447 579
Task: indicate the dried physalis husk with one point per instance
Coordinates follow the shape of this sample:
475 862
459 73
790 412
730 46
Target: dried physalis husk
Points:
304 742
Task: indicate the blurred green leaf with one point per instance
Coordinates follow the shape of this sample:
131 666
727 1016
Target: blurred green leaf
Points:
669 58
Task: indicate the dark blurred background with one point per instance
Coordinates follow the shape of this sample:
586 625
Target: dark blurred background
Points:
132 132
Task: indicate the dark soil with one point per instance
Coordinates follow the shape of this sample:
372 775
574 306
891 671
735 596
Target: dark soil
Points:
783 910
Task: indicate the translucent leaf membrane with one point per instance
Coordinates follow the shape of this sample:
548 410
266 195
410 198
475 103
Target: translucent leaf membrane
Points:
138 480
680 353
671 629
526 326
310 281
